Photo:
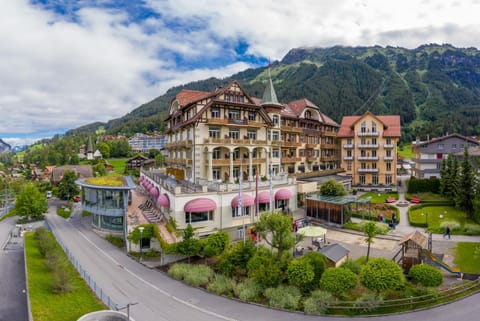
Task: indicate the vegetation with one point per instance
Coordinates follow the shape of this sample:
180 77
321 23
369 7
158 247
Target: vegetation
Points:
64 211
30 203
67 188
338 281
47 305
379 198
426 275
116 240
332 188
438 217
284 297
189 246
381 274
278 227
106 181
370 230
467 257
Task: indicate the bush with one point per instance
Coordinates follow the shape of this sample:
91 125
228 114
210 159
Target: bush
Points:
235 258
426 275
222 284
198 275
248 290
472 229
265 270
318 262
338 281
116 240
318 302
352 265
300 273
62 278
369 302
179 270
454 225
381 274
284 297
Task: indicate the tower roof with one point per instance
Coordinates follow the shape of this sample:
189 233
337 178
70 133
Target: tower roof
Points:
269 95
89 145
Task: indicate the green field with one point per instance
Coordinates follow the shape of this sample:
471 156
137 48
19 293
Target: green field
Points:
436 215
405 151
48 306
118 164
379 197
467 257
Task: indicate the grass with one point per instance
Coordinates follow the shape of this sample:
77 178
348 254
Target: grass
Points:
405 151
106 181
379 197
118 164
64 212
47 306
427 197
436 215
467 257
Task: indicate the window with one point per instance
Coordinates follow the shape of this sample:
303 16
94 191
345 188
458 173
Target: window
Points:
275 136
302 139
454 146
389 153
374 153
252 134
389 167
275 119
236 172
191 217
363 141
214 132
216 173
374 141
275 153
374 165
363 127
245 211
308 114
363 165
439 146
388 179
349 153
215 113
233 114
349 166
362 179
349 141
234 133
389 141
375 179
251 115
302 152
216 153
374 127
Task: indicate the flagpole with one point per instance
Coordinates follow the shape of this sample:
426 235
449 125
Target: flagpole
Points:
271 190
240 201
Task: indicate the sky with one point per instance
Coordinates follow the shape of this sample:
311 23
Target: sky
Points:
68 63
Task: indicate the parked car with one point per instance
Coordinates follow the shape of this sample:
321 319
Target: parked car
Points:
76 198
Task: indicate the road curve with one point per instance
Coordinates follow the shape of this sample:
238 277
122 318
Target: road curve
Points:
161 298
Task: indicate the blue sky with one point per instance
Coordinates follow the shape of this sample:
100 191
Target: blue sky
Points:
67 63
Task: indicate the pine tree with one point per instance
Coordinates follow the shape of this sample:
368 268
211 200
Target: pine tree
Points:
465 192
443 177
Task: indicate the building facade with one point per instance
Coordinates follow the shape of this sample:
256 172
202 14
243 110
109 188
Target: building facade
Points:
429 154
144 143
368 150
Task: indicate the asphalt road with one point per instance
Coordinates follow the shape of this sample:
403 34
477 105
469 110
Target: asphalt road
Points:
161 298
13 297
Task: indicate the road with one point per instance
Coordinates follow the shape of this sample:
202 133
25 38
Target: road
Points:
13 298
161 298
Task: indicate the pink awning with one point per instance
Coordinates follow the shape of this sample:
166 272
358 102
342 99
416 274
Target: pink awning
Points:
283 194
163 201
264 197
247 200
154 192
200 205
141 179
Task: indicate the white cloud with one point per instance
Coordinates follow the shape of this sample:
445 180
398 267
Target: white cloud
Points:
59 73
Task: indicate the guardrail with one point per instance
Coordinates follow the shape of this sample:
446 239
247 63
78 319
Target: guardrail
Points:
99 292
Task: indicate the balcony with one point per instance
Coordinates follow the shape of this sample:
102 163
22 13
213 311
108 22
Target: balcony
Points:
347 158
368 170
178 161
368 146
311 146
329 158
348 146
367 133
233 141
368 158
312 159
388 146
291 129
180 143
329 146
388 158
329 133
285 160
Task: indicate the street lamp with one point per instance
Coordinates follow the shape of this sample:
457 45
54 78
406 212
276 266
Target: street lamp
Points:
426 218
126 306
141 228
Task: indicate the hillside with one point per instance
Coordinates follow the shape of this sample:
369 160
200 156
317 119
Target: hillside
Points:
434 88
4 147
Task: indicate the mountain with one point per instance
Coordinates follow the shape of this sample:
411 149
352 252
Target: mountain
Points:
4 147
434 88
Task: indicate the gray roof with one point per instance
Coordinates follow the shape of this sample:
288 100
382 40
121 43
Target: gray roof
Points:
83 171
334 252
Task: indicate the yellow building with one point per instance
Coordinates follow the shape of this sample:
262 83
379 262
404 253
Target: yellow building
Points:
368 150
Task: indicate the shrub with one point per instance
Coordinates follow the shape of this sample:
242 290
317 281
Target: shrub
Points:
300 273
318 302
222 284
380 274
62 278
179 270
369 302
472 229
215 244
64 212
198 275
352 265
265 270
248 290
115 240
426 275
284 297
235 258
318 262
338 281
454 225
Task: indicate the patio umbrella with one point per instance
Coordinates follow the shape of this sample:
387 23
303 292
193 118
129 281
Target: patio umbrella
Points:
312 231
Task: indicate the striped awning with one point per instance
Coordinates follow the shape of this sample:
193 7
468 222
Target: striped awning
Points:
199 205
283 194
154 192
247 200
163 201
264 197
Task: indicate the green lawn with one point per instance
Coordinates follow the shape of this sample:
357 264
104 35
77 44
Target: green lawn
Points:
405 151
438 214
379 197
118 164
47 306
467 257
427 197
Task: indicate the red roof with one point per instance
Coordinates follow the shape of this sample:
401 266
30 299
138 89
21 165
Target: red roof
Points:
391 125
163 201
199 205
247 200
283 194
186 96
264 197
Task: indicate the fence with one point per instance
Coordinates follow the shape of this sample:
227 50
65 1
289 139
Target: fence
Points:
104 297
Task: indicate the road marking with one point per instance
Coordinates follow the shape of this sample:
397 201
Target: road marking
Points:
193 306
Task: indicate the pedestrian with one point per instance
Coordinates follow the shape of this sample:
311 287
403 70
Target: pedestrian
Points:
447 232
394 220
295 226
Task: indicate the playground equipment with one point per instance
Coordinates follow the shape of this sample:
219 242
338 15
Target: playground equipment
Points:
440 263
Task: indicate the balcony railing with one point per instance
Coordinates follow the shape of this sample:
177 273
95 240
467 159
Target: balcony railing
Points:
368 158
329 158
368 133
368 170
291 129
329 146
347 157
388 146
368 146
348 146
180 143
290 160
388 158
233 141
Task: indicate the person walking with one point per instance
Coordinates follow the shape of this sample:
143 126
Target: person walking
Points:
447 232
394 221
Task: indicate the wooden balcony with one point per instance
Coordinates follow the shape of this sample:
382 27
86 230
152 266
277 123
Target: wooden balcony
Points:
286 160
178 161
329 158
291 129
232 141
329 146
181 143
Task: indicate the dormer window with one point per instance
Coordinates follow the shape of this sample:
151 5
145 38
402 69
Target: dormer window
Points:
374 127
363 127
308 114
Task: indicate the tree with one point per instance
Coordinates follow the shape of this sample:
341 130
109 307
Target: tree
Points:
381 274
30 203
338 280
370 230
300 273
426 275
276 230
215 244
67 187
264 269
189 246
332 188
465 192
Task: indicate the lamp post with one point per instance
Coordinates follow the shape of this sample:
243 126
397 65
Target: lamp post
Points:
126 306
426 219
141 228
